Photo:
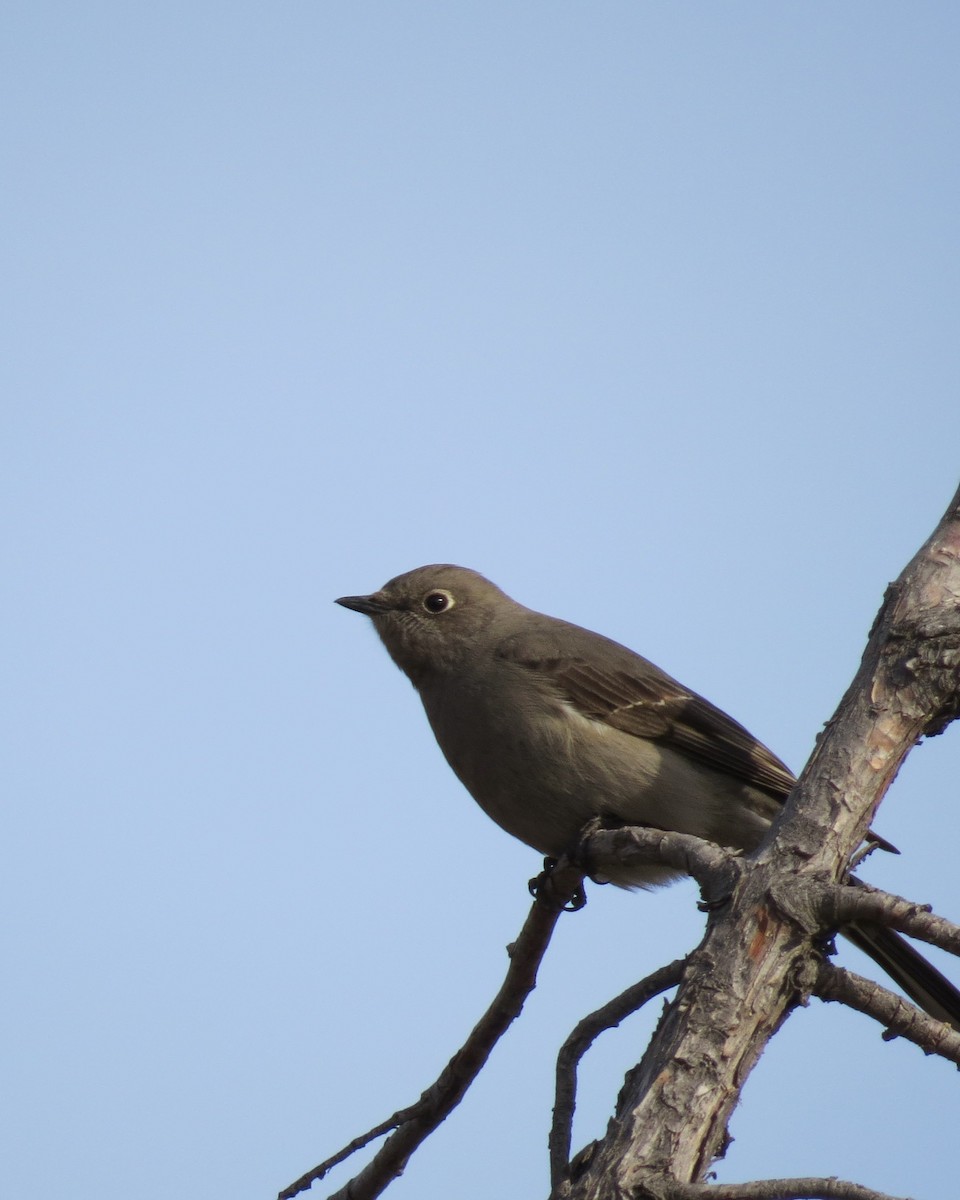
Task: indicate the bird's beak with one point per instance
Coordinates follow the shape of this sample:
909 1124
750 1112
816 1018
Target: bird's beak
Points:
370 606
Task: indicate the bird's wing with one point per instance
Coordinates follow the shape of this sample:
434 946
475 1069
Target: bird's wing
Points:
631 694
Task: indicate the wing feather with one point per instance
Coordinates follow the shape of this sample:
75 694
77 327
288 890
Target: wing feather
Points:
636 697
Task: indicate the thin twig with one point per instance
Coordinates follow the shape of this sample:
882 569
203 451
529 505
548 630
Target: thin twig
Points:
898 1016
438 1101
608 1016
358 1143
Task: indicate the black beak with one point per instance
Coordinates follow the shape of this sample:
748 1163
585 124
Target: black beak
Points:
370 606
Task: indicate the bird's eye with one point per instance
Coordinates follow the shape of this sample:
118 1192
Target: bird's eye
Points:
437 602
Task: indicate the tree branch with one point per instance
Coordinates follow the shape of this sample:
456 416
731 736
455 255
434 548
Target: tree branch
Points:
755 961
769 1189
608 1016
899 1017
715 869
861 905
413 1124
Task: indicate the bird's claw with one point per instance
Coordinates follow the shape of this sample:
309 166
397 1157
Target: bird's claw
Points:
542 881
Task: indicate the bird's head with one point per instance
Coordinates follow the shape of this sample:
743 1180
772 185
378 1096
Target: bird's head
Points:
430 619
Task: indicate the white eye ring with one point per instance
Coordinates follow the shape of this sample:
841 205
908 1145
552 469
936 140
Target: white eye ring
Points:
438 601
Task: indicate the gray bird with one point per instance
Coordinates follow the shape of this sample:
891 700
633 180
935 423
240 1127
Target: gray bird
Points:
548 725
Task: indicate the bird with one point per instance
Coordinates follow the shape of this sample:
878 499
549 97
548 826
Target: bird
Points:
549 725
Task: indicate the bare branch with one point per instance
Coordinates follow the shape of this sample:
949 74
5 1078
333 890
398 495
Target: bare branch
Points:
714 868
769 1189
671 1117
899 1017
364 1139
842 905
907 687
579 1042
412 1125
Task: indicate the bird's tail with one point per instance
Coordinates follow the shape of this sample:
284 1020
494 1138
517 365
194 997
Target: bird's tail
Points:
921 980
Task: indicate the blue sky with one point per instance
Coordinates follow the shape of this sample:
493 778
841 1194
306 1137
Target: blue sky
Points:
647 311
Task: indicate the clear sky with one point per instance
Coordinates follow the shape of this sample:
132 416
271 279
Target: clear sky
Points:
646 310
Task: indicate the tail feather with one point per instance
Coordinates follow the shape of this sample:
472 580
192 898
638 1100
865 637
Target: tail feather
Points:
921 980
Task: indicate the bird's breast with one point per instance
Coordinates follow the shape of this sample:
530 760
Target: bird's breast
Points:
533 762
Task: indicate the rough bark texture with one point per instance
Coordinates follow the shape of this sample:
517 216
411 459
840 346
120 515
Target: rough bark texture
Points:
756 961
